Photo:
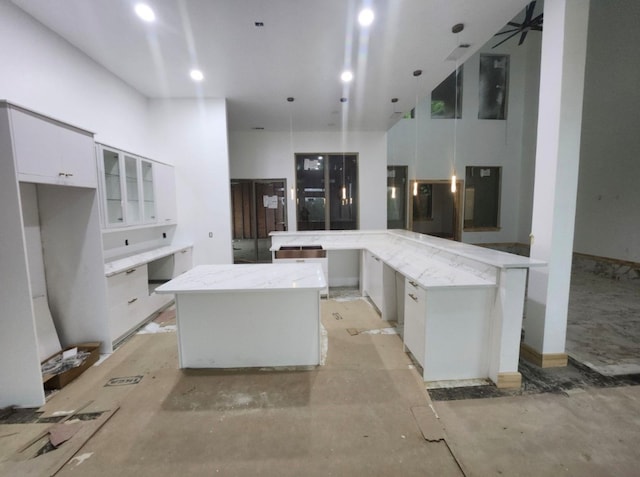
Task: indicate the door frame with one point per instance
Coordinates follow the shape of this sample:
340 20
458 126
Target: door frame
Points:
457 201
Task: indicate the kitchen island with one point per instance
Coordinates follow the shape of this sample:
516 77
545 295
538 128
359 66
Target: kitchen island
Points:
255 315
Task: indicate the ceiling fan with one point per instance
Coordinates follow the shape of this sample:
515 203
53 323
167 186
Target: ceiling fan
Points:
523 28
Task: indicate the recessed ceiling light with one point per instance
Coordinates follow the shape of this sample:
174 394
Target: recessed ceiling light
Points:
258 24
365 17
196 75
343 100
145 12
346 76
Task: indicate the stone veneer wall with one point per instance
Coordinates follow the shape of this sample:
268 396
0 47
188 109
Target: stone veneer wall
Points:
601 266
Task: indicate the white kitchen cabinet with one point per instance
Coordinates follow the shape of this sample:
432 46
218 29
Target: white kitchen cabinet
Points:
165 182
66 222
415 313
379 284
130 191
182 261
51 152
447 331
131 284
127 292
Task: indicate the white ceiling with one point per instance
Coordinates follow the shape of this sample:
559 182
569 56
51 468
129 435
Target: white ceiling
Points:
300 52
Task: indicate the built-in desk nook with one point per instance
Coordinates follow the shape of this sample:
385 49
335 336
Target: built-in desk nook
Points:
461 305
253 315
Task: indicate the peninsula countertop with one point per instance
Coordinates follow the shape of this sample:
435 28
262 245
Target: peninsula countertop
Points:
247 277
431 261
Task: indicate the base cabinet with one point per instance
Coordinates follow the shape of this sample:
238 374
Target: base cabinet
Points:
447 331
131 293
379 284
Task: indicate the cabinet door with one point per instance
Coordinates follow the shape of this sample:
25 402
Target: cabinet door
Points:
165 188
52 153
111 168
415 320
36 147
77 158
132 190
148 194
374 270
182 261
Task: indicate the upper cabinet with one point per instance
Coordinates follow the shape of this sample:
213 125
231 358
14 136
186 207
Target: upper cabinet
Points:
50 152
135 191
166 206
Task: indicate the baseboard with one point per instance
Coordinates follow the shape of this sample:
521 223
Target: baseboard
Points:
544 360
509 380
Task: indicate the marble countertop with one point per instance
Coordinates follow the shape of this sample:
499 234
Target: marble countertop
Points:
431 261
122 264
247 277
392 239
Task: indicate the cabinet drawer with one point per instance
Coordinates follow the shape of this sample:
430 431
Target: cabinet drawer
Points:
127 287
182 261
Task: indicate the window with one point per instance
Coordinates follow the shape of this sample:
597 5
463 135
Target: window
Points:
494 82
482 198
327 191
446 98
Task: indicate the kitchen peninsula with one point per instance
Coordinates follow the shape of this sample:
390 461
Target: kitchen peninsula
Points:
252 315
461 305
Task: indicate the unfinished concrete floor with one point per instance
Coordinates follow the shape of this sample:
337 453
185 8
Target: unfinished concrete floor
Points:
365 413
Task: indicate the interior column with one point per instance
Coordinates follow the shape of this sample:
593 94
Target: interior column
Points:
564 43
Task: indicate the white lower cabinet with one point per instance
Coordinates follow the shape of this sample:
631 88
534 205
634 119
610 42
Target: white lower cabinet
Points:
127 293
182 261
379 284
447 330
415 312
131 293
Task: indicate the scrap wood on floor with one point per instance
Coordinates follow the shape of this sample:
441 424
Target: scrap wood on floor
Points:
50 450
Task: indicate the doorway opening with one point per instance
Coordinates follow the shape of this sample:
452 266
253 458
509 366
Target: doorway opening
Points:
435 210
258 207
397 197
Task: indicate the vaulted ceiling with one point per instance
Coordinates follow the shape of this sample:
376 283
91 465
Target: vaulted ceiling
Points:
299 51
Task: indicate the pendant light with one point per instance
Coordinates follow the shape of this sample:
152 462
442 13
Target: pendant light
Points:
291 99
416 74
456 29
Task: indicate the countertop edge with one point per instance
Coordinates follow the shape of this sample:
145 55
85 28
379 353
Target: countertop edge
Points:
120 265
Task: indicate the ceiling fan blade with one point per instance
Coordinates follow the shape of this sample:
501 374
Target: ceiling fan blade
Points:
529 12
536 28
507 38
538 19
506 31
514 24
522 37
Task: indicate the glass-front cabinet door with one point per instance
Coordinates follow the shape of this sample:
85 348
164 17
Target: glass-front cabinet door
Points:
114 213
133 193
128 195
148 199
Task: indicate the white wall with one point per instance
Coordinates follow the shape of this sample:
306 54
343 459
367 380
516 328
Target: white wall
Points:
479 142
607 214
43 72
192 134
264 154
